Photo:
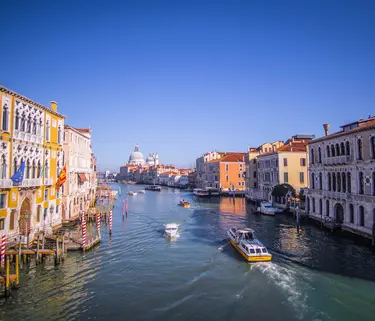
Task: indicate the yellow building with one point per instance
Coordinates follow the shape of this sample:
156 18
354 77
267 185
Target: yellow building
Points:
30 133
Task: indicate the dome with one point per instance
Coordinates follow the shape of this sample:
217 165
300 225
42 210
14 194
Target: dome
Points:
136 157
150 160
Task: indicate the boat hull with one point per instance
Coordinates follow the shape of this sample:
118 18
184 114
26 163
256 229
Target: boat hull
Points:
262 258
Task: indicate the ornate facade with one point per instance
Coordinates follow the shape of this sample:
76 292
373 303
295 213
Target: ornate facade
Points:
32 133
342 177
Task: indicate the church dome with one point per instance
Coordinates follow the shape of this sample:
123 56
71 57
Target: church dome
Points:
136 157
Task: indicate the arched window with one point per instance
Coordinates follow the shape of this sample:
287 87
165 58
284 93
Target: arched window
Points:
361 183
17 121
349 182
334 182
361 216
34 126
373 183
313 205
337 150
343 181
29 123
47 130
38 211
313 181
27 169
15 165
372 147
327 207
312 158
320 181
3 167
39 129
39 170
338 182
342 148
46 170
347 148
351 213
23 122
5 117
59 135
333 151
33 170
328 152
359 149
329 182
319 155
320 206
12 219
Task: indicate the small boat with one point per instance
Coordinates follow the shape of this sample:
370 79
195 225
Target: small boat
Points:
267 209
184 204
154 188
171 230
201 192
245 242
132 193
142 191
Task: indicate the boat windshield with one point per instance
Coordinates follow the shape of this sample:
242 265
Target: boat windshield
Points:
264 250
248 236
258 251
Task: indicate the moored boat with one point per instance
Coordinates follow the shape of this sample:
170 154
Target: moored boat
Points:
267 209
183 203
142 191
245 242
171 230
201 192
154 188
131 193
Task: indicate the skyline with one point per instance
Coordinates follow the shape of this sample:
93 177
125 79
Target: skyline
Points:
183 79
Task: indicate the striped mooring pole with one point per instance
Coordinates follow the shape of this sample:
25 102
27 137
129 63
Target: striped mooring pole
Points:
3 250
83 230
110 222
98 223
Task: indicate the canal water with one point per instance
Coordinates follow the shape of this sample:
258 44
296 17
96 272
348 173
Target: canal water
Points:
137 274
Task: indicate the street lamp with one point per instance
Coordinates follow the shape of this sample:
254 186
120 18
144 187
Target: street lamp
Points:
26 217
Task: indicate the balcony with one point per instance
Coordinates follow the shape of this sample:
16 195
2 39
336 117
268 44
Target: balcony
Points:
361 198
338 160
48 181
5 183
27 137
336 195
29 182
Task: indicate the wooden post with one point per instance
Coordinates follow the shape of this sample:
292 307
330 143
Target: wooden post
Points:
63 246
19 250
37 249
17 272
7 275
57 251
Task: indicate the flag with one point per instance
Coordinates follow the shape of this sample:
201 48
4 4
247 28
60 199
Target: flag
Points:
18 176
62 177
41 171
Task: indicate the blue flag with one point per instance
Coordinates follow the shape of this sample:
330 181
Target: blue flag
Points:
18 176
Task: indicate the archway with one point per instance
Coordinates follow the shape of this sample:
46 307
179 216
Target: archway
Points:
339 213
25 209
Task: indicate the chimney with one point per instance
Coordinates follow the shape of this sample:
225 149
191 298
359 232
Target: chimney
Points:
53 106
326 128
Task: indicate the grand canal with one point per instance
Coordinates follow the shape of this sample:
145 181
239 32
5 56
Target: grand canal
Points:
139 275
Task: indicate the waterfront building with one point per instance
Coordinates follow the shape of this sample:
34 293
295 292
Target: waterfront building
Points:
31 136
79 189
226 173
201 167
342 177
277 163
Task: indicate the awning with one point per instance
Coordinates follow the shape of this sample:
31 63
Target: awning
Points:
82 177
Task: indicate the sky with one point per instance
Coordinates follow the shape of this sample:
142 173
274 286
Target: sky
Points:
185 77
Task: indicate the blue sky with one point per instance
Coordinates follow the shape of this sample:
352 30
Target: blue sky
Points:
185 77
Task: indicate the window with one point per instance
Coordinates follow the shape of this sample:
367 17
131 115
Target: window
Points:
59 135
372 147
23 120
321 181
34 126
239 175
320 206
240 167
3 167
46 194
285 162
351 213
329 182
17 121
285 177
342 148
57 209
359 149
361 218
255 174
319 155
38 210
333 150
337 150
303 161
45 213
334 182
47 130
226 178
347 148
338 182
312 158
327 207
373 184
5 118
343 181
226 167
313 205
12 220
349 182
361 183
29 124
328 152
3 198
313 181
2 224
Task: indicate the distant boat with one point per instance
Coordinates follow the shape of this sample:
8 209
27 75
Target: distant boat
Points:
171 230
154 188
201 192
131 193
142 191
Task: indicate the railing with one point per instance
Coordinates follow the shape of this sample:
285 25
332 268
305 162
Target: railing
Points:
6 183
48 181
28 182
343 159
361 198
336 195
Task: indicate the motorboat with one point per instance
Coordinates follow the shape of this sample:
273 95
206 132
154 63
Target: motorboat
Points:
183 203
154 188
213 191
142 191
201 192
171 230
267 209
245 242
131 193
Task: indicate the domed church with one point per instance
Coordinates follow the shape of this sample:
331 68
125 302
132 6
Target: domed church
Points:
137 158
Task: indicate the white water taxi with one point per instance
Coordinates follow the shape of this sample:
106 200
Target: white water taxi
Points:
131 193
245 242
142 191
267 209
171 230
201 192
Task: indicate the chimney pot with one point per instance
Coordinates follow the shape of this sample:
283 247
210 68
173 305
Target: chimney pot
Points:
53 106
326 128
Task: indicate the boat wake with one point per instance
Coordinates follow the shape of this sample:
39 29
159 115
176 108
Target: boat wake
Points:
286 280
